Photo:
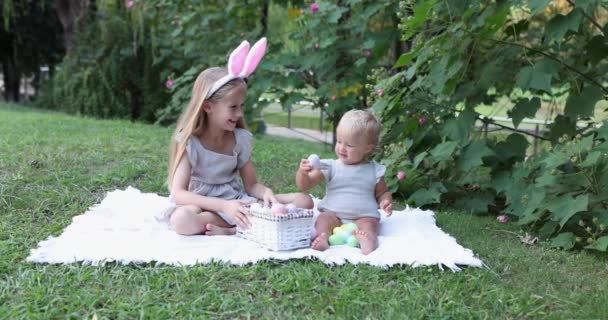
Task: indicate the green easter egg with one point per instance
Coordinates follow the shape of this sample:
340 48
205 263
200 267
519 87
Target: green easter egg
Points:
336 240
350 226
345 234
352 241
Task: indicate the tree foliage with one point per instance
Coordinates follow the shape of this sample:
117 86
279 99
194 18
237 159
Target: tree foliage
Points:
30 34
467 53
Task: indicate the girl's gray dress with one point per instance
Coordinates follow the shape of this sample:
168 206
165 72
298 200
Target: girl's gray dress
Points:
351 189
216 174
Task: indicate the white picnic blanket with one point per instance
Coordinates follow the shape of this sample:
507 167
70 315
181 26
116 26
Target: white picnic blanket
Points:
128 227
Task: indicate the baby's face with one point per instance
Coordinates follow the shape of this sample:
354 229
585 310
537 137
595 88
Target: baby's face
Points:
351 146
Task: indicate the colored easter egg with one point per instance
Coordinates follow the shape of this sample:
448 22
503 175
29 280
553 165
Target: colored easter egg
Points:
352 241
337 230
350 226
345 234
336 240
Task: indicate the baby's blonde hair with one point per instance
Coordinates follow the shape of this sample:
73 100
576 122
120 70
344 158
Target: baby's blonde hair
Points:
193 119
364 122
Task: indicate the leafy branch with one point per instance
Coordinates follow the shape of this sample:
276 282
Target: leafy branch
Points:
593 21
556 59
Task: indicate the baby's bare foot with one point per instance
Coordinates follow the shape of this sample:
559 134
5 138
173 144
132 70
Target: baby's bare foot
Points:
320 243
213 230
367 241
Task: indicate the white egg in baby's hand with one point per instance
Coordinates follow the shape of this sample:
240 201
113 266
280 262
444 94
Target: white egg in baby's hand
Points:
315 161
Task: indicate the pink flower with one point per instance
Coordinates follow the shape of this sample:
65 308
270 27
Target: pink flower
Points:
421 120
380 92
333 98
503 218
400 175
169 84
367 53
314 7
129 4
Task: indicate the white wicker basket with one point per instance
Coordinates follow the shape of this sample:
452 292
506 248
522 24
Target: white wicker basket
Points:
279 233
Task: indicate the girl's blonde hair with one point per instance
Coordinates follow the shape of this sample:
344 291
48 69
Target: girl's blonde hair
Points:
364 122
193 119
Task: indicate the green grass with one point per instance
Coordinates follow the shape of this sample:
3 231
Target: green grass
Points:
54 166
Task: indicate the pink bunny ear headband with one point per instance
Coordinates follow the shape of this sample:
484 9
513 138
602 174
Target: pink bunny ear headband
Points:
242 63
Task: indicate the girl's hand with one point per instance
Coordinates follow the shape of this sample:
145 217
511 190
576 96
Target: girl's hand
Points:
269 197
387 206
234 208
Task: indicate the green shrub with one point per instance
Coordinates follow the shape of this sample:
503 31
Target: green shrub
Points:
465 54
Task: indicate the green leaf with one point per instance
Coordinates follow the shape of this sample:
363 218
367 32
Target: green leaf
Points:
564 240
597 48
439 75
557 27
335 14
591 159
406 58
583 105
458 129
548 229
421 12
501 181
537 5
491 73
473 154
602 132
555 159
530 77
601 244
564 207
360 62
524 108
514 148
418 159
561 126
430 195
475 203
444 151
379 105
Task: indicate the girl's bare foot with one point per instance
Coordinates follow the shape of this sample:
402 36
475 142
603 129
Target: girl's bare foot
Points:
213 230
321 242
367 241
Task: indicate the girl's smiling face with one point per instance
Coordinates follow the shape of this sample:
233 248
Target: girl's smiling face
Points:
351 147
225 113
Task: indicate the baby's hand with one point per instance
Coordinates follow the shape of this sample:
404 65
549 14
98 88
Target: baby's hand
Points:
305 166
387 206
269 198
234 208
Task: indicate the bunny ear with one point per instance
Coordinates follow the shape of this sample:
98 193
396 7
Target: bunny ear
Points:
237 59
253 58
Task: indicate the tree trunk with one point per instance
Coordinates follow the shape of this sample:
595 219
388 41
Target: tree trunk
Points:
136 102
71 14
11 79
264 18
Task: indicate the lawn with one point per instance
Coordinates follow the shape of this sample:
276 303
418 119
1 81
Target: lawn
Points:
53 166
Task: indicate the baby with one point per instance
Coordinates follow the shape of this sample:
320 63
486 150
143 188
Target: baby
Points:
355 184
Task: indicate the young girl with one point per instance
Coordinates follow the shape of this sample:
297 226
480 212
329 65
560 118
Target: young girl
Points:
211 146
355 185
